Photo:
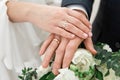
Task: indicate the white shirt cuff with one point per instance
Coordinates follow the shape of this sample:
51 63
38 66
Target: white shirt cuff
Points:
78 7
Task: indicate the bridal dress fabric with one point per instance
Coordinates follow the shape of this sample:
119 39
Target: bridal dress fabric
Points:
19 44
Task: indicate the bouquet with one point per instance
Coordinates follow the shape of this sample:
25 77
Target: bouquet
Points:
84 66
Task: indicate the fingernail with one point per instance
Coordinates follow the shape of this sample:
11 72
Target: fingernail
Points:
90 34
41 52
44 65
55 72
85 35
95 52
90 27
72 36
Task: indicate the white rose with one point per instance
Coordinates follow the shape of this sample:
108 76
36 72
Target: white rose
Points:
117 78
42 71
66 74
83 59
111 76
107 47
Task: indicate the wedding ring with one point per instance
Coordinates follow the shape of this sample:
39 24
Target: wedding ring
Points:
56 40
63 24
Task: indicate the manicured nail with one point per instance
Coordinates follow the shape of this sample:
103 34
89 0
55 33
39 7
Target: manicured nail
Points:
85 35
90 27
55 72
44 65
90 34
41 52
72 36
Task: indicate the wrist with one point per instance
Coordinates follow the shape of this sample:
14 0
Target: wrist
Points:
33 12
18 11
36 12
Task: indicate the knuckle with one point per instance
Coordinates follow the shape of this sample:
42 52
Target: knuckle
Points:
56 64
68 27
78 32
67 58
76 22
47 60
59 14
65 9
85 29
66 34
59 51
70 47
86 21
80 15
59 31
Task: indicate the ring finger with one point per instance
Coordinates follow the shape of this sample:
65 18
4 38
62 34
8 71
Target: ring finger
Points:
73 29
50 51
59 55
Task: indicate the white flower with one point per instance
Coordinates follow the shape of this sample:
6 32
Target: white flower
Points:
111 76
66 74
42 71
107 47
83 59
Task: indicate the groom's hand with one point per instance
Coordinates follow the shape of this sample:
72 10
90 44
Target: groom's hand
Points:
64 51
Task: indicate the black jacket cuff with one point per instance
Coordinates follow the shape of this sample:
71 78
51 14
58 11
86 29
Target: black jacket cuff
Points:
87 4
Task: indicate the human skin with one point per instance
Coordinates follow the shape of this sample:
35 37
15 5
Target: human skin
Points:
64 51
49 18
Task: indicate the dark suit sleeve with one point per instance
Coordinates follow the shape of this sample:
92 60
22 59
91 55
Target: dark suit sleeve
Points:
87 4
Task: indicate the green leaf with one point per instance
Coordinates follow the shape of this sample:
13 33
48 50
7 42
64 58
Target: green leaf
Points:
112 59
73 67
108 72
103 56
51 76
80 75
28 74
45 76
29 69
24 71
20 77
48 76
98 75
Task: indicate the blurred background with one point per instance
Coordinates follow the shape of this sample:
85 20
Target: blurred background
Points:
95 9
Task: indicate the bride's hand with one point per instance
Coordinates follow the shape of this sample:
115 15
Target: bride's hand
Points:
61 21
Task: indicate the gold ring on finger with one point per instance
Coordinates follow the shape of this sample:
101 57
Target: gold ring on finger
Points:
56 40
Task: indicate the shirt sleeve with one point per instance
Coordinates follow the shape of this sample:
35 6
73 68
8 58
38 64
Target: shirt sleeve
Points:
87 4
